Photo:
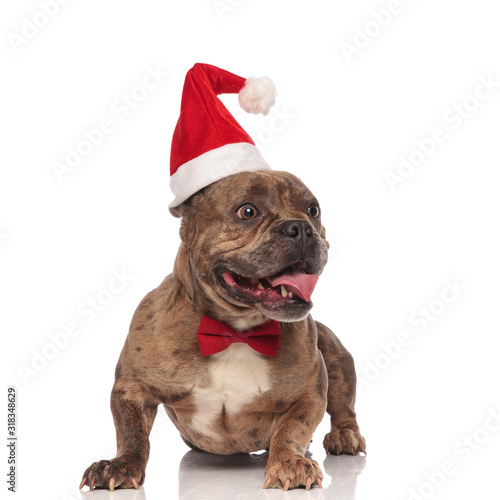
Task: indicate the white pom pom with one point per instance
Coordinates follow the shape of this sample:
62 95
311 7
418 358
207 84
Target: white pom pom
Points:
258 95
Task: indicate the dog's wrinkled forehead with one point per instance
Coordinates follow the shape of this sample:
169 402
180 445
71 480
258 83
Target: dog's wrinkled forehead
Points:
278 190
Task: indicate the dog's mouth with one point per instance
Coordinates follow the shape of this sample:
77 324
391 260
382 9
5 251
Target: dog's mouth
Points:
290 286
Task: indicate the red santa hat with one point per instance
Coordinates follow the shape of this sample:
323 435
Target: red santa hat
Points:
208 143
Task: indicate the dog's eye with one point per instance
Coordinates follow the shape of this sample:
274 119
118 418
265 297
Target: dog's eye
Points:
247 212
313 211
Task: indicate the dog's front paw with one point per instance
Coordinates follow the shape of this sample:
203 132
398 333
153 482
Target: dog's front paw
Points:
344 441
112 474
293 472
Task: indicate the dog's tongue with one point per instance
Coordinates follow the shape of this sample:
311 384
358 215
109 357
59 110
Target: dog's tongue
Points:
300 283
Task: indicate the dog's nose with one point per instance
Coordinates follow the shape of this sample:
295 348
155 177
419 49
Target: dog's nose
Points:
296 228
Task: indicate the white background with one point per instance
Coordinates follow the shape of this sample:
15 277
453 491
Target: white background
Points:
341 122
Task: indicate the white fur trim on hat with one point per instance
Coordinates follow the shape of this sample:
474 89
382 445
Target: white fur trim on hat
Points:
213 166
257 95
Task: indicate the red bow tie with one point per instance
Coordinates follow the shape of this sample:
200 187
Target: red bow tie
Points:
215 336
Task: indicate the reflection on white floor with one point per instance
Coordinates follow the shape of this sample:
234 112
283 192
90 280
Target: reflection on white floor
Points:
210 477
131 494
203 476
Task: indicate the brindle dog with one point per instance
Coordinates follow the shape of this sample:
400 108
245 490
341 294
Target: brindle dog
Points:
236 233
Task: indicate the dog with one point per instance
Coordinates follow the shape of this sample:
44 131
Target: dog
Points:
252 247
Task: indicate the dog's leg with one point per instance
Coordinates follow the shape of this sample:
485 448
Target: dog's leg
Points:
287 467
344 436
133 416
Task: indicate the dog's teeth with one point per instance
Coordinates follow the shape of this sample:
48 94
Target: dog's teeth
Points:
290 295
284 292
260 286
254 281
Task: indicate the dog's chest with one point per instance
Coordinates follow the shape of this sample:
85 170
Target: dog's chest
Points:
234 378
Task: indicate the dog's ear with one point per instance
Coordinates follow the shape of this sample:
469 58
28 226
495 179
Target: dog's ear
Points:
176 211
180 210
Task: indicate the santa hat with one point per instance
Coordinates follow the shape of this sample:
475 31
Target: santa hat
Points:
208 143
